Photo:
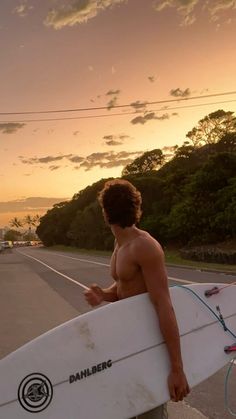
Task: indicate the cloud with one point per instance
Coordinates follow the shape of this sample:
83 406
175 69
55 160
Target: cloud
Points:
22 9
78 12
90 67
29 204
124 136
54 167
151 79
113 92
138 105
10 127
180 93
75 133
112 103
216 7
109 137
109 159
100 159
76 159
47 159
187 8
113 142
149 117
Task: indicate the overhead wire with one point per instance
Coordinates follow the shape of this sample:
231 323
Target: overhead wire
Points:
114 114
177 99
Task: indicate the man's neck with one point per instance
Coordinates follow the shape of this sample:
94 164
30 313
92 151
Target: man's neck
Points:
123 235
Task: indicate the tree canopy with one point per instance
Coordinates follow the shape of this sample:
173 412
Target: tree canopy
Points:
189 199
151 160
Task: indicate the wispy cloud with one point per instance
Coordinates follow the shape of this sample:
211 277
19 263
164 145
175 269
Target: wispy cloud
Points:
29 204
109 159
113 92
10 127
151 79
187 9
100 159
115 140
149 117
139 105
112 103
46 159
22 9
76 159
52 168
180 93
78 12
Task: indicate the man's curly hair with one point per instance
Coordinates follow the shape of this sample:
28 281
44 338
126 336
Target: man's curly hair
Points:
121 202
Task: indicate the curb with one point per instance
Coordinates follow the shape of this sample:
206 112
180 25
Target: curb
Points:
172 265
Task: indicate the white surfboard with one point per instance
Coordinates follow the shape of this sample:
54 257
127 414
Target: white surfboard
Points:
112 363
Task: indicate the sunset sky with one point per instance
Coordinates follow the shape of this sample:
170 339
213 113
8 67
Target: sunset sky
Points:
64 55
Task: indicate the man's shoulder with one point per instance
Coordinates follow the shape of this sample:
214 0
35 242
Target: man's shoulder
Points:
146 243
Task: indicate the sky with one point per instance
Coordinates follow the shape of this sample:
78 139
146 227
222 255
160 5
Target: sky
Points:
111 58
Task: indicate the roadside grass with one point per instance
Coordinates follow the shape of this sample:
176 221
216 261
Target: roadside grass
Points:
172 257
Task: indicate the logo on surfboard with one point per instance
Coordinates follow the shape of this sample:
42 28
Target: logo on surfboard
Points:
35 392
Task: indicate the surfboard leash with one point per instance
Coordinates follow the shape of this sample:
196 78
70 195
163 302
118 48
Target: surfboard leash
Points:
216 290
227 349
218 317
230 368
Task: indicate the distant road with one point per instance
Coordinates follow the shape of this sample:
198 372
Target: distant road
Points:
41 289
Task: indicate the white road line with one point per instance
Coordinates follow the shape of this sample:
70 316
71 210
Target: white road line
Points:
81 260
54 270
182 280
97 263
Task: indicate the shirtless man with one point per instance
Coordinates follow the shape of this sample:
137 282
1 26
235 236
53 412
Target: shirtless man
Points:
137 266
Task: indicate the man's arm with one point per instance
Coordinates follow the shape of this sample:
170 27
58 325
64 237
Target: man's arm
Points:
96 295
150 258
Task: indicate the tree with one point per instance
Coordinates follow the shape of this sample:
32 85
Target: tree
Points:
151 160
30 221
12 235
185 151
212 128
16 222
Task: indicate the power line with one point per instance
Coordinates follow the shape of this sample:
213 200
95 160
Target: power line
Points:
117 106
114 114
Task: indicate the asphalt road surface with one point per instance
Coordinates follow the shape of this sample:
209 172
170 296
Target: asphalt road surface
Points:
41 289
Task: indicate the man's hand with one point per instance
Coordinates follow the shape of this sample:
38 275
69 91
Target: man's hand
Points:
178 386
94 296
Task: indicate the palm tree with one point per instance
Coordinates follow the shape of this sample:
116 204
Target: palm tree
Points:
16 222
36 219
30 221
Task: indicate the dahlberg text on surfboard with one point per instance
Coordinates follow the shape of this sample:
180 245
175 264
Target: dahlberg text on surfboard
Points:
90 371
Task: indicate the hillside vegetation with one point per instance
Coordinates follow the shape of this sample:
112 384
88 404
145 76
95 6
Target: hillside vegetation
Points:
189 200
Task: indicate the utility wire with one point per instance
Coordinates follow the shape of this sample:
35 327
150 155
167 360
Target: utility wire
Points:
114 114
117 106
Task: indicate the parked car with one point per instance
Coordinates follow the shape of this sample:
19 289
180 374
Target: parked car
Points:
7 244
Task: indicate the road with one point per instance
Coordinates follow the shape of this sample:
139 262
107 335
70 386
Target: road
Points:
41 289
